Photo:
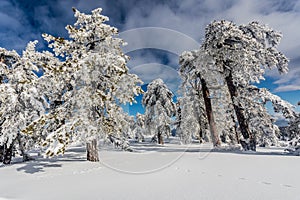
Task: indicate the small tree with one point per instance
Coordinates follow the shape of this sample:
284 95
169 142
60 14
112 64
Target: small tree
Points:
159 109
139 127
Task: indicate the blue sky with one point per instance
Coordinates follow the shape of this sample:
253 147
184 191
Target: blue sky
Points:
25 20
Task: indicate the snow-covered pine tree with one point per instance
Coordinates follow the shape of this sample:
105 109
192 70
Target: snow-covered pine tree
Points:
139 127
191 120
158 101
187 124
279 105
242 53
225 117
293 132
92 81
261 124
55 85
122 131
20 101
202 77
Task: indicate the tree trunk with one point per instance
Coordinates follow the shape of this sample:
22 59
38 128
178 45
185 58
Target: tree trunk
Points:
210 115
92 151
160 139
160 135
250 142
8 153
25 156
201 116
236 139
1 153
2 146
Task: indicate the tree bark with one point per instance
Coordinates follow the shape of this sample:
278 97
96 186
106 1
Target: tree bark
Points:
92 151
25 156
1 153
160 138
201 116
250 141
2 146
237 137
210 115
8 153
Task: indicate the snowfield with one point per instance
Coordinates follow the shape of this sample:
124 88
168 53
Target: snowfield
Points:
151 172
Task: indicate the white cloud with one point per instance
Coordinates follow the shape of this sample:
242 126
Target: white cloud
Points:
187 17
14 33
289 81
142 57
158 38
280 119
191 17
9 22
285 88
150 71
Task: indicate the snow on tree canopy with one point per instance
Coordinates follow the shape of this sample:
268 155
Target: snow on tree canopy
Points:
20 100
159 109
230 60
93 81
245 50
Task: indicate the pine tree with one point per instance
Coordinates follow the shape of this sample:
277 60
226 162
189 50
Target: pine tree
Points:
159 109
191 108
88 87
293 132
20 102
188 124
242 53
139 127
193 69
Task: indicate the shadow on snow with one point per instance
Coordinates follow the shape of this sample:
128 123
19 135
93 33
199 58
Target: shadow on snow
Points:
77 154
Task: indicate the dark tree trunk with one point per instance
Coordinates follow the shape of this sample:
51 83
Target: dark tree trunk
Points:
92 151
25 156
198 116
201 117
1 146
237 137
201 135
210 115
8 153
160 138
1 153
179 119
250 142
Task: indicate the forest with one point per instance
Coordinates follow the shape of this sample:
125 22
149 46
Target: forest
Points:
74 91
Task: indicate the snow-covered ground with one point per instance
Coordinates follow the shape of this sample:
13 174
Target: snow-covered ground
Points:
155 172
